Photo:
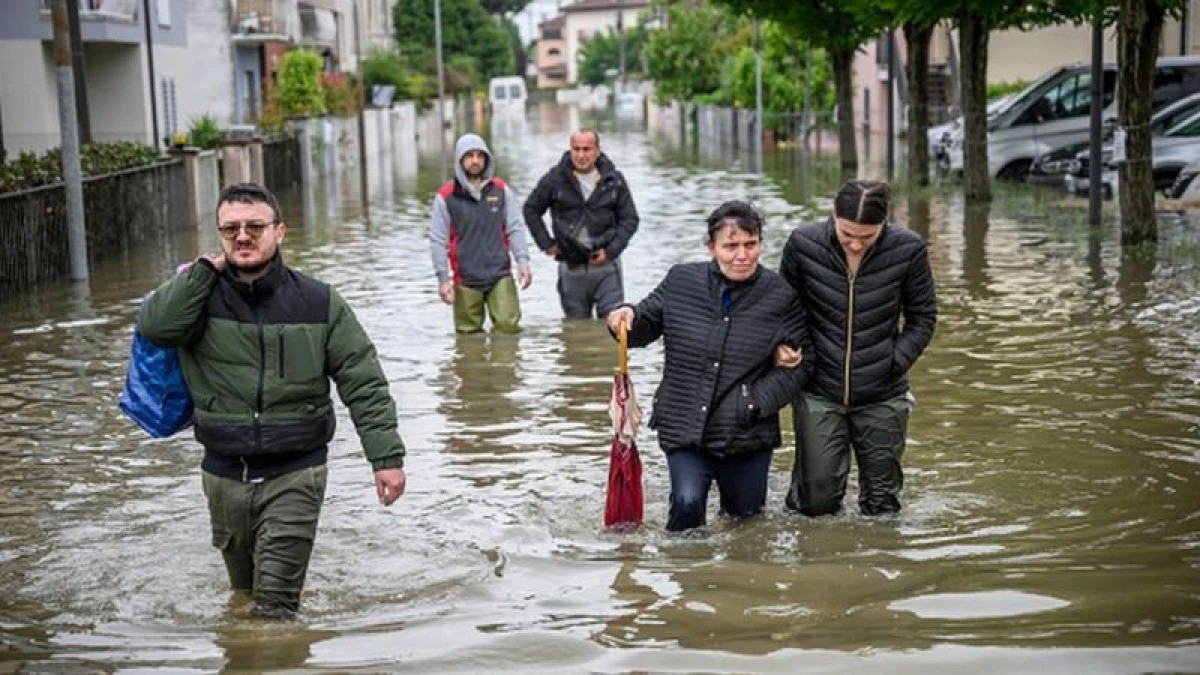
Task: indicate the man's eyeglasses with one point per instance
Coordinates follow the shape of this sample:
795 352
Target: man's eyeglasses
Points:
254 228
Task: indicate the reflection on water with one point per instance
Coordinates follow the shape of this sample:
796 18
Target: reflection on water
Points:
1051 516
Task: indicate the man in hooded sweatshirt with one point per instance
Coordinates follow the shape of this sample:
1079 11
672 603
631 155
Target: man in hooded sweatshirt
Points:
594 218
475 232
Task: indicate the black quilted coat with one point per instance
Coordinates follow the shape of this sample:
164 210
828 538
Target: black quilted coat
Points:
862 348
720 390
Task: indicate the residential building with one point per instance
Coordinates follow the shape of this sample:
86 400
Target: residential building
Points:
123 101
585 18
202 57
550 54
1013 56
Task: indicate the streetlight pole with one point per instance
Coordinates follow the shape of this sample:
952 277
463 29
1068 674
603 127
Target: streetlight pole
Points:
441 79
362 125
758 97
621 45
68 120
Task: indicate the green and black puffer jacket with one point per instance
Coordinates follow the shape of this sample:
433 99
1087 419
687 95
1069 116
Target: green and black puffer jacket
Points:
258 358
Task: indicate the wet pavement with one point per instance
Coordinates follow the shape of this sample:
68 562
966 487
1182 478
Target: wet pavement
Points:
1052 513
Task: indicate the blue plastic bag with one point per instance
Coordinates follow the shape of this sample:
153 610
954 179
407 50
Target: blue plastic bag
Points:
155 395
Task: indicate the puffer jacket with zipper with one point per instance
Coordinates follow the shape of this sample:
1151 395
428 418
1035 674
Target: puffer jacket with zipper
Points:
258 357
720 389
862 348
608 216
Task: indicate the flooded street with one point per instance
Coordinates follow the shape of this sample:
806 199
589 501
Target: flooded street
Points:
1052 497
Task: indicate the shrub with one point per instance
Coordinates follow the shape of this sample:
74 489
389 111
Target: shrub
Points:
29 170
341 94
299 80
1005 88
205 133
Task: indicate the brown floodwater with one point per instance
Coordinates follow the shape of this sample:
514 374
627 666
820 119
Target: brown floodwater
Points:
1052 495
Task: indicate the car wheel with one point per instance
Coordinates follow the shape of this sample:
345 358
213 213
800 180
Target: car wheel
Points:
1015 171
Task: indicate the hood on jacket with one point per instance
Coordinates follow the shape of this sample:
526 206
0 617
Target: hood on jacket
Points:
467 143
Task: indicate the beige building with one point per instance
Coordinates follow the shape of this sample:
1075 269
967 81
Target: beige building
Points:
1013 56
550 54
585 18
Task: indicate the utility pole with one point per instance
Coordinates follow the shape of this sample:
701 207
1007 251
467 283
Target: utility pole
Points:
809 118
621 46
1094 187
441 77
72 174
81 99
891 105
758 97
362 124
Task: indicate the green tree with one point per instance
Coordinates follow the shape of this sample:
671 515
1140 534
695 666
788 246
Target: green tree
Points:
387 68
838 26
600 57
1139 28
299 84
784 72
504 7
685 60
467 31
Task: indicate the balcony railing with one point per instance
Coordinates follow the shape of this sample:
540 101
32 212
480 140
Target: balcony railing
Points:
266 17
124 10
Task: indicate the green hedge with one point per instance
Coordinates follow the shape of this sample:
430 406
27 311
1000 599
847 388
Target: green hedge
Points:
28 170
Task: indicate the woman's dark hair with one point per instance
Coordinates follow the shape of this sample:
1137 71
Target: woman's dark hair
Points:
746 217
250 193
863 201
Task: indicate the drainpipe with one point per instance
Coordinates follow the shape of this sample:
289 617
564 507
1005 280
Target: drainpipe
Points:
150 68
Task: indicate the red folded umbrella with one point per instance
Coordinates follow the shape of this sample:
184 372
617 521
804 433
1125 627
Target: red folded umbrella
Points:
623 503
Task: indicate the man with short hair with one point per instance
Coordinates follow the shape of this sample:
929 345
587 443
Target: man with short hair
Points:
593 218
474 229
259 343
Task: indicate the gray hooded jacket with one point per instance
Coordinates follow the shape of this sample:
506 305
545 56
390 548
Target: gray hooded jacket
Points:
473 230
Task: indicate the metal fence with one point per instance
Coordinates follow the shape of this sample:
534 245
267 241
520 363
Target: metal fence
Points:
122 210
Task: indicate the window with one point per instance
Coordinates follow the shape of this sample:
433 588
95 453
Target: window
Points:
499 92
514 91
1070 97
554 51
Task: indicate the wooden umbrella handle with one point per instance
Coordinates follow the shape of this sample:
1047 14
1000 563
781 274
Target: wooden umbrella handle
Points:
622 350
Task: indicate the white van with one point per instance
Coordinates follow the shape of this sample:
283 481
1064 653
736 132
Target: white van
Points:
507 95
1055 111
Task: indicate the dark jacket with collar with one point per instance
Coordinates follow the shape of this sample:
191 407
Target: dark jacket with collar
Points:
258 358
720 390
862 348
607 219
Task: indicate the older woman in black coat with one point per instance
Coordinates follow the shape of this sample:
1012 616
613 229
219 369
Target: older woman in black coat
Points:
723 323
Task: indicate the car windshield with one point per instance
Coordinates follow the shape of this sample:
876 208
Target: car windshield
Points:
1189 126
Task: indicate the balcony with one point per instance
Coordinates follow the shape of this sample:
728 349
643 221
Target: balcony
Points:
264 20
118 10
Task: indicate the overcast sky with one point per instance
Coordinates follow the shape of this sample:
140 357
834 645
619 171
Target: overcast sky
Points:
536 11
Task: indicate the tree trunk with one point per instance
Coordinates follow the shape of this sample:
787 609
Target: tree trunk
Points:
1139 28
977 180
917 38
843 87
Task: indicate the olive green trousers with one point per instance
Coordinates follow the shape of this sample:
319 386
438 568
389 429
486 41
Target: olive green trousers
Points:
500 302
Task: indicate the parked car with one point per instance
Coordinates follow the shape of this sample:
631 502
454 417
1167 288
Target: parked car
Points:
630 105
939 135
1186 186
1054 112
1170 152
1073 159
